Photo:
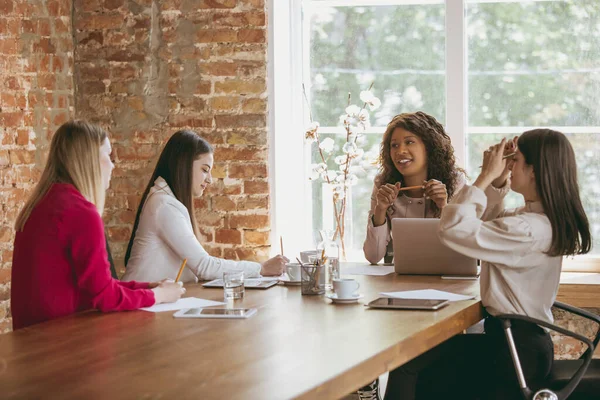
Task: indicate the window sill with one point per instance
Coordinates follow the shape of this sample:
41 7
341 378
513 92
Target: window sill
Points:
580 289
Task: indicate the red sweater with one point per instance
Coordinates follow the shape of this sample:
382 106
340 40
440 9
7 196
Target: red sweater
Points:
60 264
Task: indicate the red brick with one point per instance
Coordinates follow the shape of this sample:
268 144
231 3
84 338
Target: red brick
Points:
22 157
9 46
22 137
4 276
203 88
240 19
255 86
12 119
241 121
28 26
180 121
256 187
223 203
99 21
247 170
113 4
6 7
254 106
256 238
85 38
252 36
138 152
253 203
43 27
124 72
249 221
210 219
213 251
229 103
4 158
219 69
238 154
248 254
218 3
90 72
216 36
126 55
119 233
229 236
44 46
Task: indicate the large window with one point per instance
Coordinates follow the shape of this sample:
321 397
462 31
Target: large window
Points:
487 69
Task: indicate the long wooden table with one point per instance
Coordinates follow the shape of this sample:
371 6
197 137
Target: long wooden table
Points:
294 347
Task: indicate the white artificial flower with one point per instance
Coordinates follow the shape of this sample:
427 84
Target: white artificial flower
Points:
351 180
352 110
316 170
312 132
366 96
349 148
341 160
327 145
332 175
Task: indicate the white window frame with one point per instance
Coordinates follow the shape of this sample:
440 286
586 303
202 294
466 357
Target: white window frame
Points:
291 207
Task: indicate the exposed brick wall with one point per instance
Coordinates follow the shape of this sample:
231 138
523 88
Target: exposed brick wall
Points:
36 87
566 347
144 69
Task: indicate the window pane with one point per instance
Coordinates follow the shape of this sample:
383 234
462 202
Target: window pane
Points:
534 63
402 50
537 64
399 48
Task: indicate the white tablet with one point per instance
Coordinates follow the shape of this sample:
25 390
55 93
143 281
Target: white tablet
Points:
235 313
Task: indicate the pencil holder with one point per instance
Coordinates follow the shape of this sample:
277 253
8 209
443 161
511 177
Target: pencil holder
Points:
312 281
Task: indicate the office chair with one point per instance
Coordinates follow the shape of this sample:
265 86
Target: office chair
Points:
573 379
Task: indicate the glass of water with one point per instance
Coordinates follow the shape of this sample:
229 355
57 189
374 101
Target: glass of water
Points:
233 285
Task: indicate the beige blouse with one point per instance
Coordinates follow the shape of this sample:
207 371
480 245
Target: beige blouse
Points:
517 277
379 239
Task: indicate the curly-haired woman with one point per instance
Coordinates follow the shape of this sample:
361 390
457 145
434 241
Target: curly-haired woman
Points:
415 151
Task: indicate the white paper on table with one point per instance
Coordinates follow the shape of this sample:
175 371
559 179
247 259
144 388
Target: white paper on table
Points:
427 294
187 302
373 270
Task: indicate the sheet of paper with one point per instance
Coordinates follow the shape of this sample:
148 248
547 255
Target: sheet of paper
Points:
373 270
247 281
187 302
430 294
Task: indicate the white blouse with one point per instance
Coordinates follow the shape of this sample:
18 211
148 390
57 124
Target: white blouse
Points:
165 237
517 277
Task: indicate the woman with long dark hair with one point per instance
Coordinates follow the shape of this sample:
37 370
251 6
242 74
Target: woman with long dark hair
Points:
166 231
521 252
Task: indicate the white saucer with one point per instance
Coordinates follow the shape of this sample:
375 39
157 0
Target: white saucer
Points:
333 297
287 282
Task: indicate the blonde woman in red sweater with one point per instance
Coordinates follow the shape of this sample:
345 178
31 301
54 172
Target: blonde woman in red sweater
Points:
60 263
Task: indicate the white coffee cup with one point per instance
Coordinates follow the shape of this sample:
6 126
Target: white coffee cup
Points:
305 254
293 271
345 288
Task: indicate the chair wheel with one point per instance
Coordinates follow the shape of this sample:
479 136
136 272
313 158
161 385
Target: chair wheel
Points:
545 394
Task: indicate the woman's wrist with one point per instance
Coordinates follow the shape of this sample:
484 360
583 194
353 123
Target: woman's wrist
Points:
379 217
482 182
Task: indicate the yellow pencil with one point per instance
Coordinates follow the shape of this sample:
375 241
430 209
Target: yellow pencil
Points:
281 244
181 269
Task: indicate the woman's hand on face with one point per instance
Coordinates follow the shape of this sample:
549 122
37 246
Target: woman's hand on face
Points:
509 148
493 166
386 195
274 266
436 191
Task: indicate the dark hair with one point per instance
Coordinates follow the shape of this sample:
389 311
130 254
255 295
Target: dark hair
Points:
553 160
175 167
441 164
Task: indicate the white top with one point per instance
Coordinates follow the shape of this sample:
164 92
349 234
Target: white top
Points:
165 237
517 277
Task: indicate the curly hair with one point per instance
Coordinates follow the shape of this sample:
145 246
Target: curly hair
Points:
441 163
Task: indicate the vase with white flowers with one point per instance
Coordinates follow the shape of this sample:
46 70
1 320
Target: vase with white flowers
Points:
347 157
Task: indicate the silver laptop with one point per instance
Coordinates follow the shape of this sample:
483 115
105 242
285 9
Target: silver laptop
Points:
418 250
